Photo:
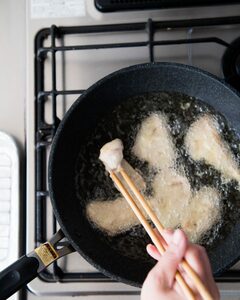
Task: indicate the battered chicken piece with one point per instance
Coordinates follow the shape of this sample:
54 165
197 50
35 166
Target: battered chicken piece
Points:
154 142
172 193
175 205
203 212
111 154
113 216
203 142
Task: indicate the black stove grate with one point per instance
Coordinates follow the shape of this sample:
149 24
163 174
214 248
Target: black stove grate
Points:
44 132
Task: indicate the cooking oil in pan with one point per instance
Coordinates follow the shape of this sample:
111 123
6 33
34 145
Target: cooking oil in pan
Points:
181 111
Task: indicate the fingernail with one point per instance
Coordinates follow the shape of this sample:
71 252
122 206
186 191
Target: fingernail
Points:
177 237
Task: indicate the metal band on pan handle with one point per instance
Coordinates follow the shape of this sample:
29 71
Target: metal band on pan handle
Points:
50 251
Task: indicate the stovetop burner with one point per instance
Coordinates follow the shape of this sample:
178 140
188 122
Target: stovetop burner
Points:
231 64
45 130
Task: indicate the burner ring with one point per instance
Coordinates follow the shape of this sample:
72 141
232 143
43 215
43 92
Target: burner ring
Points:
231 64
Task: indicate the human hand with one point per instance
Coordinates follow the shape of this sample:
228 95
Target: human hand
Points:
160 282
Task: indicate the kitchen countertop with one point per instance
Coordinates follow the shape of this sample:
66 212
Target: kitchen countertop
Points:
13 68
13 74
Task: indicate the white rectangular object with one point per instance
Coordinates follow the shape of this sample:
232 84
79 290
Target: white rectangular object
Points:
9 201
57 8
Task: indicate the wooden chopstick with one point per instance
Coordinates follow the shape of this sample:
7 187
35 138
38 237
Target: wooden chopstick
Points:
186 289
184 264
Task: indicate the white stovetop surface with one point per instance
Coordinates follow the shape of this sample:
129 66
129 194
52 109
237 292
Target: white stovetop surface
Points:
16 60
13 68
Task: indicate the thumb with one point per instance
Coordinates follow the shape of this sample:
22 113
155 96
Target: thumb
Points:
167 265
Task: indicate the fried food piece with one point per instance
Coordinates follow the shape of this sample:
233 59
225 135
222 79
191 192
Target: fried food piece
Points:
203 212
154 142
111 154
203 142
112 216
172 193
116 216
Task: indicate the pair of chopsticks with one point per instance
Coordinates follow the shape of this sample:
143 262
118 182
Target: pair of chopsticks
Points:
159 242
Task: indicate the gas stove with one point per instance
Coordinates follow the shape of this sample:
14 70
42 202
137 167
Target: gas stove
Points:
66 53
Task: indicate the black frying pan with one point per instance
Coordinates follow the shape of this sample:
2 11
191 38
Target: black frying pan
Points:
73 132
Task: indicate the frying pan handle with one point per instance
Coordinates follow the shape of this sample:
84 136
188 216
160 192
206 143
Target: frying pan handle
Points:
17 275
28 266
